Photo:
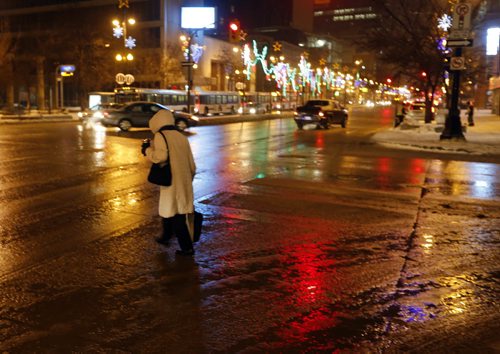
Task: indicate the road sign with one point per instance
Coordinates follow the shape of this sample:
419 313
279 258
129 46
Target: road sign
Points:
457 63
459 43
461 17
67 68
187 63
462 34
121 79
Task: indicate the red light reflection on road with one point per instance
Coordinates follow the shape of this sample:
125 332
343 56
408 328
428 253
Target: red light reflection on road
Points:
387 116
308 279
320 142
383 169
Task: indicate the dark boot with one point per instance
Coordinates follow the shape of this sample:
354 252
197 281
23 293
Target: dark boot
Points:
168 231
182 233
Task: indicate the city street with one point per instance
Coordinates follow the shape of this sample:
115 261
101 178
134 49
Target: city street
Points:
313 241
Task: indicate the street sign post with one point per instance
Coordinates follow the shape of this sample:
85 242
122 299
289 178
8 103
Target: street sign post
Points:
458 38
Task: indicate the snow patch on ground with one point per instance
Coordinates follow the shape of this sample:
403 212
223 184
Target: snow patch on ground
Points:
482 139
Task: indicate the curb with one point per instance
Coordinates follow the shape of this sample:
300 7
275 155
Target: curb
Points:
35 119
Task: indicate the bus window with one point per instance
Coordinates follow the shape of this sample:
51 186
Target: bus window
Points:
224 99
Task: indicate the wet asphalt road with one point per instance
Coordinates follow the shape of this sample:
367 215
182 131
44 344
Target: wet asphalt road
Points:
314 241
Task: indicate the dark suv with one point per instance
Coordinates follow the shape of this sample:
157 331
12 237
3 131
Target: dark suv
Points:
322 113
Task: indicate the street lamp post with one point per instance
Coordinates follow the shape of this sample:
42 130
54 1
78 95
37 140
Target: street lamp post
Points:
189 63
59 89
190 73
119 31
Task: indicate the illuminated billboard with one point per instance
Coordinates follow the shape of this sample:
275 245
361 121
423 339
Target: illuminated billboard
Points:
492 40
197 17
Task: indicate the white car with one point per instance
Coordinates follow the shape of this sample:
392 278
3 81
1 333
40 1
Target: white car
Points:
252 108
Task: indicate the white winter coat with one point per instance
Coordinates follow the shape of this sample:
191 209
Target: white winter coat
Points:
177 198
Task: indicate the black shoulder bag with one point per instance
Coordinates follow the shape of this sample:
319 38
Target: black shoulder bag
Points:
161 174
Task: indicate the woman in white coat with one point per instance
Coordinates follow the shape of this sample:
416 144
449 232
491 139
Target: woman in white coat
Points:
176 201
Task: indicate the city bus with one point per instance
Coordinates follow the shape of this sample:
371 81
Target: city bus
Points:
202 102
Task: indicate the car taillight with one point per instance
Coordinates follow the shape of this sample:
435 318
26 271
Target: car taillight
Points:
105 114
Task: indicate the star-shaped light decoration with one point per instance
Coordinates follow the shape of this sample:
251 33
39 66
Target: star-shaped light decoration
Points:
336 66
305 55
122 3
444 22
130 43
277 46
322 62
118 31
243 36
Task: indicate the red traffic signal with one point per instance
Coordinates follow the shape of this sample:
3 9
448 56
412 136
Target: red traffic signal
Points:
234 26
234 31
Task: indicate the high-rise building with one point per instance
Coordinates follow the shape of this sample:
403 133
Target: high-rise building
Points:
40 36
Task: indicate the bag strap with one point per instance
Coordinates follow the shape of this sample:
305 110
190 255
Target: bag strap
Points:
166 143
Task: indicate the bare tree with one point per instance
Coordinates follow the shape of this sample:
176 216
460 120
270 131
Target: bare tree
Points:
407 36
7 48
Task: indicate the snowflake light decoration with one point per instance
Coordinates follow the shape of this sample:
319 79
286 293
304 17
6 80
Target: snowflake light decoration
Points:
444 22
130 42
118 31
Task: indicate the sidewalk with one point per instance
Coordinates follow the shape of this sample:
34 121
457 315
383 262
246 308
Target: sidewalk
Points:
37 117
481 139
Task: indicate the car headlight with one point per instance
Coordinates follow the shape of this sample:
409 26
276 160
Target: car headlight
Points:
252 111
195 118
321 114
240 110
80 115
98 115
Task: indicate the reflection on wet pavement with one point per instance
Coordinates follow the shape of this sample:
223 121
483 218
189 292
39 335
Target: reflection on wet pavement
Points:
308 246
466 179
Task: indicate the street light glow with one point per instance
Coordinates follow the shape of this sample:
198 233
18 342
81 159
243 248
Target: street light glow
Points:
130 57
131 21
118 57
116 22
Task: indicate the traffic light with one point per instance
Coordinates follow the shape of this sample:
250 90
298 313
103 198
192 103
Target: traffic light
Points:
234 31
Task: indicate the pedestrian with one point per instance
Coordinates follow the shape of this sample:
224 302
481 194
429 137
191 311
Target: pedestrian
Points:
176 204
470 113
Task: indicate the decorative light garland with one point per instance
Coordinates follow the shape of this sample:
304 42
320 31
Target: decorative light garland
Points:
304 76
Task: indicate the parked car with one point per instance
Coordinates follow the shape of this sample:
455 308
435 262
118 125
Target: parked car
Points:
252 108
416 110
138 114
95 112
322 113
